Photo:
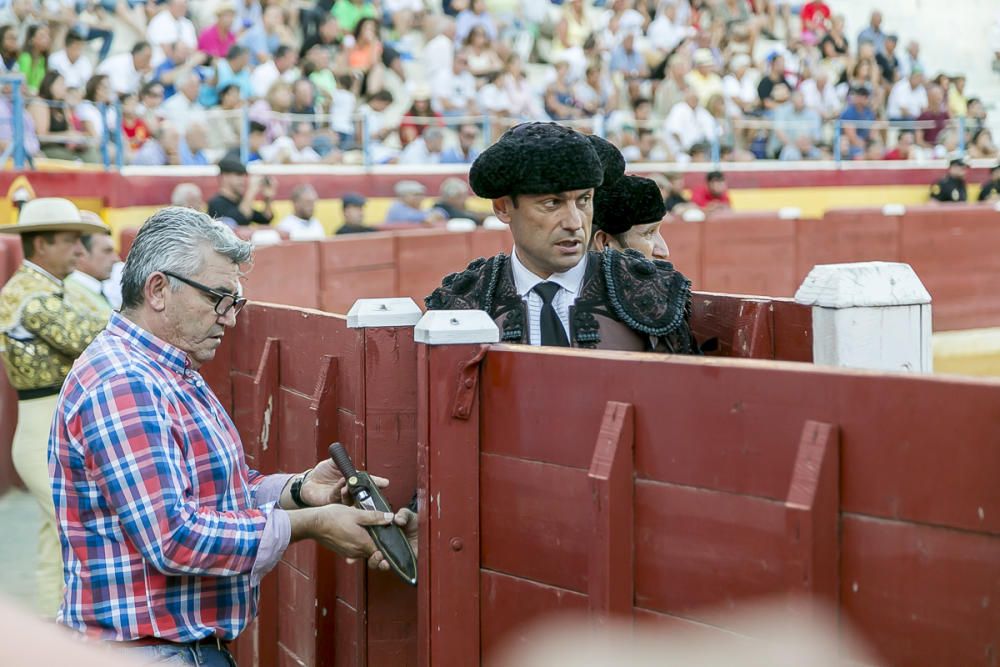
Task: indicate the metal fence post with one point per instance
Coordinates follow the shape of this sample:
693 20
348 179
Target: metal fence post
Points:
245 136
961 135
119 137
102 108
366 141
716 152
487 129
837 129
17 120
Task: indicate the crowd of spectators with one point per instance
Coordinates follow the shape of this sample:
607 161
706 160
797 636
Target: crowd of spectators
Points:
416 82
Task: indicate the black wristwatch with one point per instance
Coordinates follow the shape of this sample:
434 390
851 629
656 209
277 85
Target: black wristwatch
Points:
295 490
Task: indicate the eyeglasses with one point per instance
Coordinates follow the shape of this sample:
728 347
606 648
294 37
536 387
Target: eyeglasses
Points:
225 301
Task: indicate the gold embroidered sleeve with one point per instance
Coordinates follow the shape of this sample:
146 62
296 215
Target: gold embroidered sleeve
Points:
61 326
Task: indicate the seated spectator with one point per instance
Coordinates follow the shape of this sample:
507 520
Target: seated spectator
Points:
821 95
911 59
888 61
342 107
134 128
419 117
264 37
316 68
466 151
951 188
482 57
792 120
815 16
560 103
234 202
703 78
454 91
522 101
9 49
364 56
439 49
178 61
328 36
872 34
958 103
371 120
905 148
687 124
304 99
188 195
672 188
183 106
193 144
982 147
739 87
72 63
96 112
34 57
169 26
301 224
874 149
281 67
714 195
908 97
126 70
802 148
627 61
834 45
235 69
55 124
857 119
295 148
163 148
596 93
990 190
647 148
453 197
936 113
425 149
351 12
216 39
354 215
225 122
476 15
775 77
666 32
30 136
407 207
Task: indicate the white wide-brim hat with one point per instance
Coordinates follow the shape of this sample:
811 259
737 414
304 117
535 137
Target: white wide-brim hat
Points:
52 214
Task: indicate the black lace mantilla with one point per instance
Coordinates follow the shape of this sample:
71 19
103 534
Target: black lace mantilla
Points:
648 296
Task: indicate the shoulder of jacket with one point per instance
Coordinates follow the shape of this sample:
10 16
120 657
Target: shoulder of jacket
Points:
649 296
470 289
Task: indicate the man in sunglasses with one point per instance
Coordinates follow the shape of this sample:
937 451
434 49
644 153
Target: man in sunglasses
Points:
165 531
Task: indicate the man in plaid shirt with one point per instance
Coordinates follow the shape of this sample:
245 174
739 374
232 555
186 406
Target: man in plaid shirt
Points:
165 532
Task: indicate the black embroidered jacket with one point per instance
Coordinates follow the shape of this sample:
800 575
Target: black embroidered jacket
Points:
626 302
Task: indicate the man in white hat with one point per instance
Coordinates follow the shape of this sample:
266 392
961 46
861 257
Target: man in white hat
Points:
41 334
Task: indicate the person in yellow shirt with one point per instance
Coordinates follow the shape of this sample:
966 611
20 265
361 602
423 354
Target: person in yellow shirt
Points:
41 333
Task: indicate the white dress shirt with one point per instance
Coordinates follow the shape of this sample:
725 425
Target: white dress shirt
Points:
75 75
569 282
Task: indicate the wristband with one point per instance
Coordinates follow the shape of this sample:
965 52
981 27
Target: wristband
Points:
295 490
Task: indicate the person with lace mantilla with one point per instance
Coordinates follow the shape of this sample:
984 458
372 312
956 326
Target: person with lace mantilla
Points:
551 290
41 333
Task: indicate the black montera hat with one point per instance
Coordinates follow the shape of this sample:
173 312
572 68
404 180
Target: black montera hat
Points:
536 158
633 200
611 158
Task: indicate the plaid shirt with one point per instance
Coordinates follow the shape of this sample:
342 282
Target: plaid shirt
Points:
160 519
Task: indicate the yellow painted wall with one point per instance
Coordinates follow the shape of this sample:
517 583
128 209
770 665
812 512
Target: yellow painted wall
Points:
971 352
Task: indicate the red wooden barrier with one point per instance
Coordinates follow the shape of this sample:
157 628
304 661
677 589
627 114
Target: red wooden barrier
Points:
749 480
10 259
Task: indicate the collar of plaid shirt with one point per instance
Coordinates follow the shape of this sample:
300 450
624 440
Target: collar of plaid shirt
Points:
155 503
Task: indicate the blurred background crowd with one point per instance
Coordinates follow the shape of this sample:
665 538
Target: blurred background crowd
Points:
173 82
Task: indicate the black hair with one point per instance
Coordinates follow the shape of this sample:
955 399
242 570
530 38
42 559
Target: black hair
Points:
714 176
30 35
361 24
28 242
90 90
148 87
381 95
45 87
257 126
71 38
640 100
139 47
235 51
282 51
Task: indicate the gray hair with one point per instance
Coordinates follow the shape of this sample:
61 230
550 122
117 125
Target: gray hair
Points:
175 239
454 187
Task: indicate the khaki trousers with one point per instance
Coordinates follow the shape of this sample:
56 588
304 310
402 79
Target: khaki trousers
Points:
30 454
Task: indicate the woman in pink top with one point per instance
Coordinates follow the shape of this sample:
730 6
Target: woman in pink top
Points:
216 39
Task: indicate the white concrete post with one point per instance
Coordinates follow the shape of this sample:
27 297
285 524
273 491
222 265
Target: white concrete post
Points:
873 315
366 313
456 327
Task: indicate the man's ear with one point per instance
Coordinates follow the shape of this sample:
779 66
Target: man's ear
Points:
155 291
502 208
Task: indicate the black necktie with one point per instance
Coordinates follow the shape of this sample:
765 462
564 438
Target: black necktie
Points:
553 332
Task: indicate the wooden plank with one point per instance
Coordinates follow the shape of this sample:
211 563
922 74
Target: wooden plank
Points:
699 552
792 330
610 567
740 325
339 291
749 257
511 604
845 235
535 521
425 257
390 423
448 625
273 280
922 595
684 239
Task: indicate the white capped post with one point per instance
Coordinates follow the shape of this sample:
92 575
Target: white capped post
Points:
456 327
367 313
873 315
